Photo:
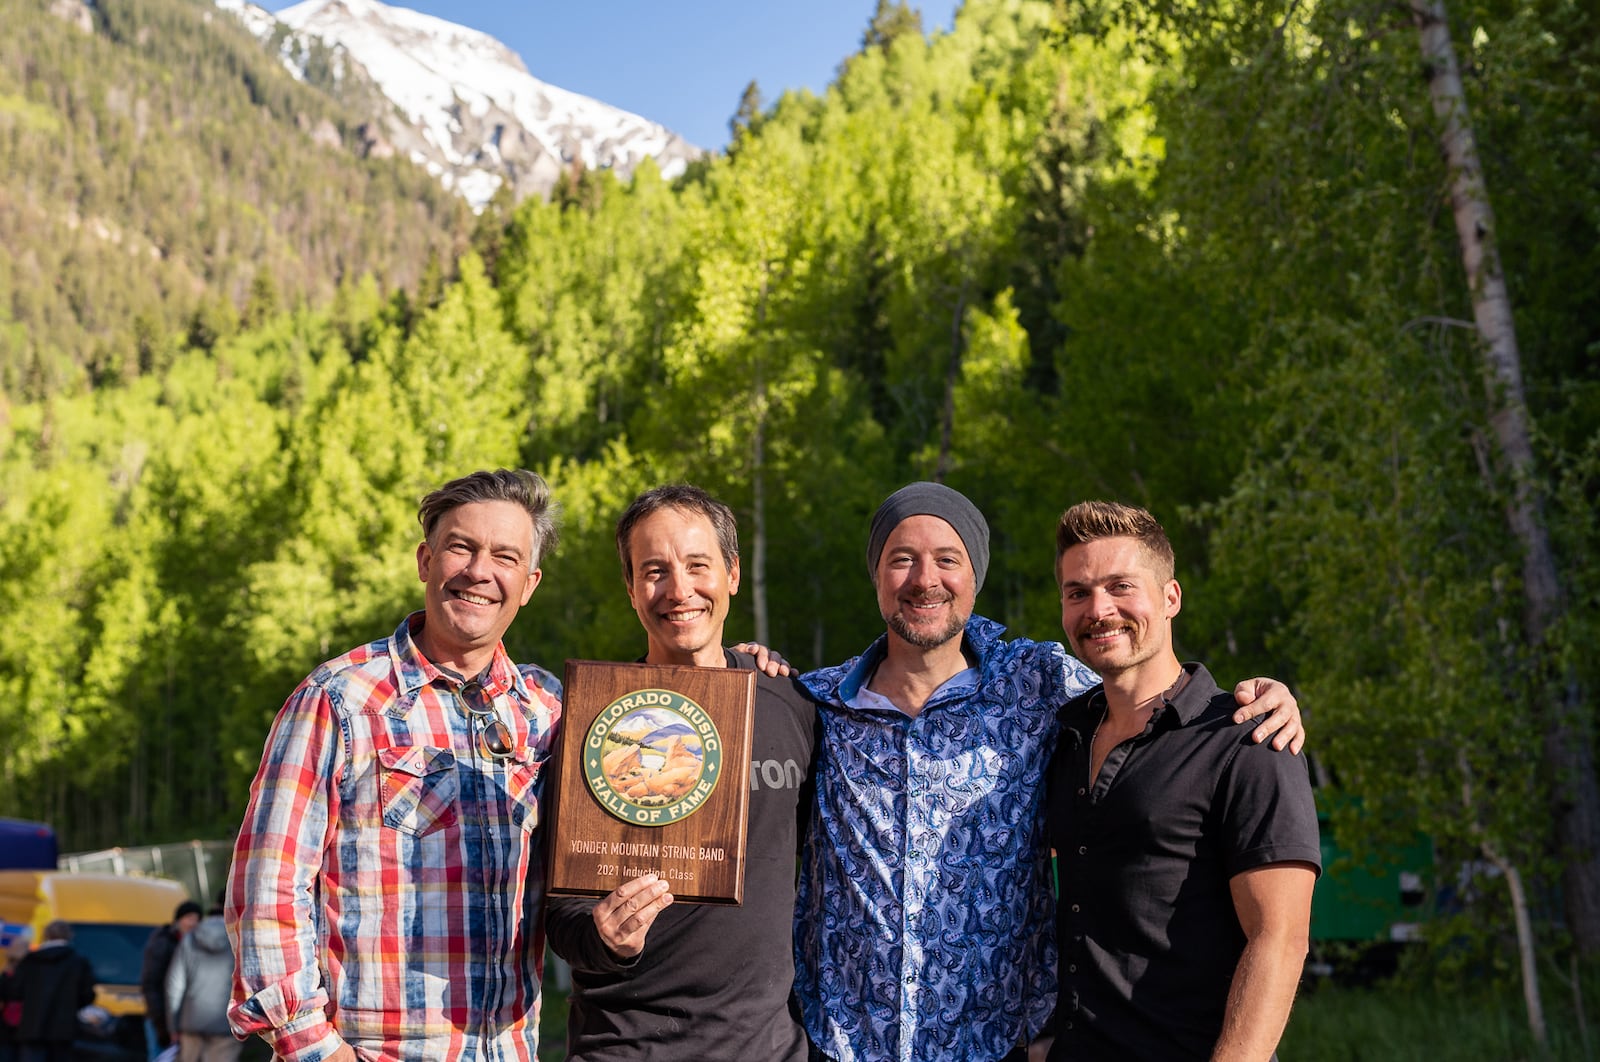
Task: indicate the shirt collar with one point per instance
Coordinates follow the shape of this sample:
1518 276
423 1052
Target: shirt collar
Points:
961 685
979 637
1194 695
416 671
1194 690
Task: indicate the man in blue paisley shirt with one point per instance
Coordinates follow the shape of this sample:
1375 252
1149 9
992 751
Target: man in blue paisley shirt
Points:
924 921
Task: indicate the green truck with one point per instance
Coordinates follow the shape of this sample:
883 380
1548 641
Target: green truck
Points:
1366 911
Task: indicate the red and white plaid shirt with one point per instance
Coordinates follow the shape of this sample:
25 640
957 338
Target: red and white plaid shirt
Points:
387 886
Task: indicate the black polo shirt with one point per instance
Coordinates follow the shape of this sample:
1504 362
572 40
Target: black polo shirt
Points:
1148 934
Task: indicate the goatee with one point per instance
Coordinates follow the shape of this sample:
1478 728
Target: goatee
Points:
926 639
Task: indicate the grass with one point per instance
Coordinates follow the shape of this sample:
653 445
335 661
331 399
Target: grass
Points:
553 1025
1386 1021
1383 1023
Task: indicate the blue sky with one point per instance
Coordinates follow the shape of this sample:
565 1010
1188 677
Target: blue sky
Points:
683 63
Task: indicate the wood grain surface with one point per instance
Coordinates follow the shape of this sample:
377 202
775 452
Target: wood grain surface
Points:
670 758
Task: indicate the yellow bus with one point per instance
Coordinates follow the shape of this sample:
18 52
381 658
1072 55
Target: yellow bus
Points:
112 917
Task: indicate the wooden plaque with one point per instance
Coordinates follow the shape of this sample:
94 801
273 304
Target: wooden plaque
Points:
652 774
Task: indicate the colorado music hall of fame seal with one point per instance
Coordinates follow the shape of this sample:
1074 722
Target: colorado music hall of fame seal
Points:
652 757
652 776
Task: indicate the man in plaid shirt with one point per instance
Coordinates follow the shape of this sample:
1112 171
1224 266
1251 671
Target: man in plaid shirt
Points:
386 896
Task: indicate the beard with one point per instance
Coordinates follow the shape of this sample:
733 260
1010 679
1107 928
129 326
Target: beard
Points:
1135 654
924 638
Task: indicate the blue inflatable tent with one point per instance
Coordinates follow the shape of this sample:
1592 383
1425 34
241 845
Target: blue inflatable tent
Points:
26 845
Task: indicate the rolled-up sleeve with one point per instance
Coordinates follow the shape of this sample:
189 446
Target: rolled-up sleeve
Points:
273 913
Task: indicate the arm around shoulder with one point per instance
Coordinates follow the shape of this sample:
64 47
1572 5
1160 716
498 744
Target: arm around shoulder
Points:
1271 698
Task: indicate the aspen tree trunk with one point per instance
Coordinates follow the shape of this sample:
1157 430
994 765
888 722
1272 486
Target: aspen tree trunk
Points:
952 376
1568 741
1527 959
758 489
1525 951
758 538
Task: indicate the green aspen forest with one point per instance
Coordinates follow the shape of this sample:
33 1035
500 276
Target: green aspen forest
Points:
1315 281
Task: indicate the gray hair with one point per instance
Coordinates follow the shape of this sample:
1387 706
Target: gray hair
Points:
517 486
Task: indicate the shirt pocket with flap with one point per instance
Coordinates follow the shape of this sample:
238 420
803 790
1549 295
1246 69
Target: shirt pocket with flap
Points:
421 788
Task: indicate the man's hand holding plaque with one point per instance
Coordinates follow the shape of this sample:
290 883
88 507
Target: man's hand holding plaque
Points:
625 916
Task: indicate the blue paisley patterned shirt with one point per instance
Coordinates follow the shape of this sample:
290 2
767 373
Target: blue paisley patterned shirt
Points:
924 923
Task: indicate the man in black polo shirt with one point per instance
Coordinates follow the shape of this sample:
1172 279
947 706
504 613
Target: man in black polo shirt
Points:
1187 853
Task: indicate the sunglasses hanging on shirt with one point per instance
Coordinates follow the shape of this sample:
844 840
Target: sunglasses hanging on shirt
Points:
493 735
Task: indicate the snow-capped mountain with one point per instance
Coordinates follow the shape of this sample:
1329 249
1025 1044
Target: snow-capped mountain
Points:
465 106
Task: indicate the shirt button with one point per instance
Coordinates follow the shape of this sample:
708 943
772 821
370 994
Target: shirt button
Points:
1072 967
1083 849
1082 791
1075 908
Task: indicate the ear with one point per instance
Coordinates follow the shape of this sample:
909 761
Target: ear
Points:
1174 599
733 578
627 585
424 559
532 584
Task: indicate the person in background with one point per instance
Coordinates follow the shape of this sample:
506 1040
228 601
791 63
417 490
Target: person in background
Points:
386 899
199 983
158 951
53 982
11 995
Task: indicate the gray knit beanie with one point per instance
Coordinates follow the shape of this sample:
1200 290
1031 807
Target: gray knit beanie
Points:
932 499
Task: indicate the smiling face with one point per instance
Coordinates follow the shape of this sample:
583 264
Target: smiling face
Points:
680 586
475 566
1116 609
925 583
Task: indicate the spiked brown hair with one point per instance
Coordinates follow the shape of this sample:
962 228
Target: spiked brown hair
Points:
1091 520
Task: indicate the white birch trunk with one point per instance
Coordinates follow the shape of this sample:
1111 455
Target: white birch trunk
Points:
1568 751
758 487
1526 954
